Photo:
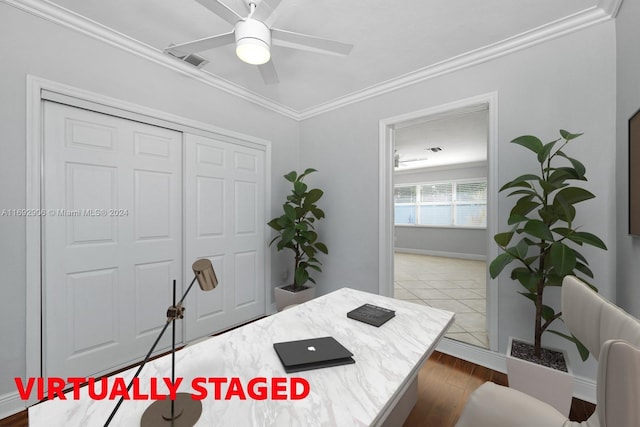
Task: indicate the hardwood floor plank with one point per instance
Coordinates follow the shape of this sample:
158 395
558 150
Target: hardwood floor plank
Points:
444 384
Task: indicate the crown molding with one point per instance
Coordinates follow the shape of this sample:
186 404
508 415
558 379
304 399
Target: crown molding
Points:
610 7
51 12
605 10
558 28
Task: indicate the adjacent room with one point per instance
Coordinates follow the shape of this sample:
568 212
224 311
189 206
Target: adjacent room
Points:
440 217
216 156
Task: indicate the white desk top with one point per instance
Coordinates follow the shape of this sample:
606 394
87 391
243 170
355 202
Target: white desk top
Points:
387 358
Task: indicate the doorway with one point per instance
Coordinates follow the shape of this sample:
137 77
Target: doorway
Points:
427 198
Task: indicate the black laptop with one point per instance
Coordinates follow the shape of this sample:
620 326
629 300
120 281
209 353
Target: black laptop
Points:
314 353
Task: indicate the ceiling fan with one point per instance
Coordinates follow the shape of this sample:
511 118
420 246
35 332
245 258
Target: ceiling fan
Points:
254 36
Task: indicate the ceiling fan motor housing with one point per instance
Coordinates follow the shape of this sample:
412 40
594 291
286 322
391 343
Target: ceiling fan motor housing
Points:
250 28
251 32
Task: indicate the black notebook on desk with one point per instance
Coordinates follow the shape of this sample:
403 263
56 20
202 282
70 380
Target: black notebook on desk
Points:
371 314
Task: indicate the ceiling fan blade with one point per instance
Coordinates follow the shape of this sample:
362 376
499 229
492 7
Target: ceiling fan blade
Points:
265 12
202 44
222 10
268 73
309 43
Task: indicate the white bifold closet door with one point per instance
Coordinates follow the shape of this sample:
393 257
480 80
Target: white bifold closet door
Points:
112 239
130 207
225 222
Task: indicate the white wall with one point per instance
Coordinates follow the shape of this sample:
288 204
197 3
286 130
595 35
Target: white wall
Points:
47 50
454 241
628 56
563 83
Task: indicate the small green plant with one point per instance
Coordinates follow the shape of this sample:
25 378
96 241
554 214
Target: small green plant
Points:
543 230
296 229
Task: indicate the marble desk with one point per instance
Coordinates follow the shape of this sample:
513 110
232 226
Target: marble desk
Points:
379 389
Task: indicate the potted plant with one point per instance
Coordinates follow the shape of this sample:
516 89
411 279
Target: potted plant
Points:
543 243
296 232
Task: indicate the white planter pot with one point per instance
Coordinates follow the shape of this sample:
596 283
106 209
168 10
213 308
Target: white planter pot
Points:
546 384
286 298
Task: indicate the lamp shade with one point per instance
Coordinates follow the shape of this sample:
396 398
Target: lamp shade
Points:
205 274
253 51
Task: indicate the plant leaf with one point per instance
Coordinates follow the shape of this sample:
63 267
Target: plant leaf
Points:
322 247
499 263
577 166
301 276
584 352
584 269
523 191
559 175
299 188
291 176
550 187
313 196
523 206
543 155
563 258
275 224
307 172
531 142
527 279
522 248
289 211
588 238
565 211
515 219
547 312
539 229
288 235
573 195
520 181
503 239
569 136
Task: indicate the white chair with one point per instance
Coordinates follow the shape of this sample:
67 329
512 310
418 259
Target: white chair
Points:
611 335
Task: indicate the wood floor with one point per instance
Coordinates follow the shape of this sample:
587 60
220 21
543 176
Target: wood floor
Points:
444 384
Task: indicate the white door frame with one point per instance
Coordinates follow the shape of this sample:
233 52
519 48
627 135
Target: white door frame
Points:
38 90
386 227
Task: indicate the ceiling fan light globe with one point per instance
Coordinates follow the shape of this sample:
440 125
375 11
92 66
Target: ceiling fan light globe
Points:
253 51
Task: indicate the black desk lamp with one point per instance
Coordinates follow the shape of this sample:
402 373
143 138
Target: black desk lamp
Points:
183 411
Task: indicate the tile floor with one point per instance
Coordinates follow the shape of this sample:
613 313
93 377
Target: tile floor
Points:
451 284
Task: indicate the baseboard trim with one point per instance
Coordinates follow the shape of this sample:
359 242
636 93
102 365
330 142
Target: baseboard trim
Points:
444 254
583 388
10 404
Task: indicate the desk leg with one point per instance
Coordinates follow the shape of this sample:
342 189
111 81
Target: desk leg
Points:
403 408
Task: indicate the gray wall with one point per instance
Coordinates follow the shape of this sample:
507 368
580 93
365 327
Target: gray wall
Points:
47 50
628 61
443 241
567 83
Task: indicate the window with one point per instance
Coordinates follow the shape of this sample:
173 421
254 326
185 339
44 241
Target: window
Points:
450 203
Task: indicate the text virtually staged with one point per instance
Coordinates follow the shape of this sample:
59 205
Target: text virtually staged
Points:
217 388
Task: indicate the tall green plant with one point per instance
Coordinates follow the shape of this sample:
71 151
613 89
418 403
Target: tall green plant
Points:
544 234
296 229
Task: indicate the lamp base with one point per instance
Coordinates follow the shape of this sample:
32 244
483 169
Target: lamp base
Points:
186 412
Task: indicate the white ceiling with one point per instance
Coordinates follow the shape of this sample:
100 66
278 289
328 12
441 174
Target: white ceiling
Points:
391 38
462 138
